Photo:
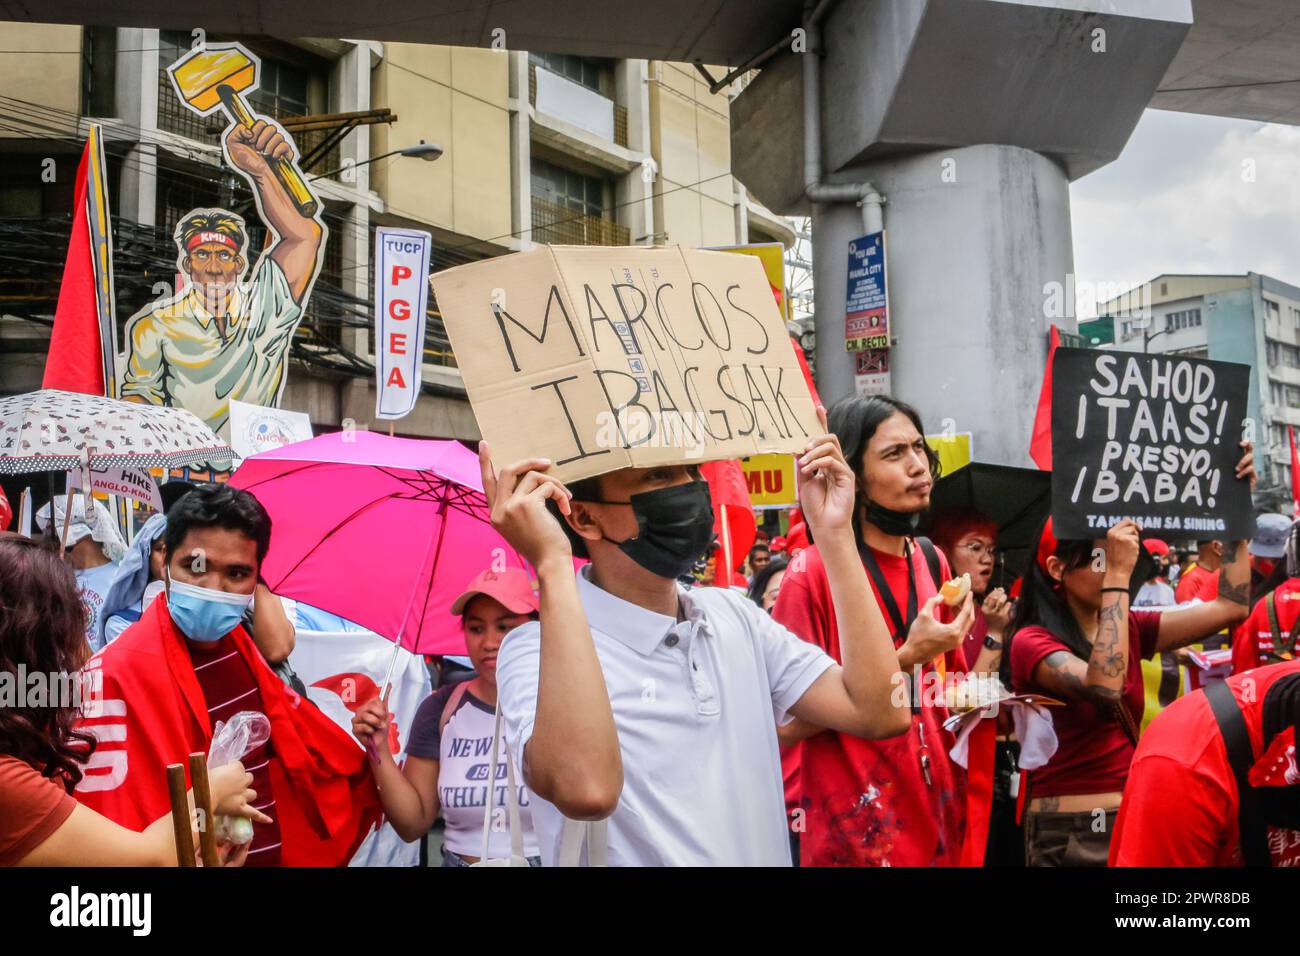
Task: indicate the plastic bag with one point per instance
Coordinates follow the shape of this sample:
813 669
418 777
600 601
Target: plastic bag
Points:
234 738
231 741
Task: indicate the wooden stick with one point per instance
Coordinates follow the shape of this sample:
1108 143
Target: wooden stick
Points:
178 793
390 428
67 518
203 800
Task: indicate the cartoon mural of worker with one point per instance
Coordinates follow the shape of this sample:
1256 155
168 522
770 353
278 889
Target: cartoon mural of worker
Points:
226 334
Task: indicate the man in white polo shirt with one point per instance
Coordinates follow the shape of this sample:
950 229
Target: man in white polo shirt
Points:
635 700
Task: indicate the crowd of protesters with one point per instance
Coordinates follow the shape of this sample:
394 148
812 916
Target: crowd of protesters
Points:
649 712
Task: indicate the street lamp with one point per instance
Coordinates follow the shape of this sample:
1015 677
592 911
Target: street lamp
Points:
422 150
1146 339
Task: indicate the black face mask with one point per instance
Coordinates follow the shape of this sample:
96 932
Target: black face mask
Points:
897 523
674 526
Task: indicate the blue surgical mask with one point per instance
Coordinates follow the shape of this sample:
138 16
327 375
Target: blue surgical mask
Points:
203 614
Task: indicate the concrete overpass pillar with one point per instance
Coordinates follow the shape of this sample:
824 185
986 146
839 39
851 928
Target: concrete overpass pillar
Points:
974 236
970 119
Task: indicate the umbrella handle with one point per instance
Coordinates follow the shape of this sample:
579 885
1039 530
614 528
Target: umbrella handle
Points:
392 666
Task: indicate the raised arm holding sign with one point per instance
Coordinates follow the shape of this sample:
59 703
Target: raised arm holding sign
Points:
651 705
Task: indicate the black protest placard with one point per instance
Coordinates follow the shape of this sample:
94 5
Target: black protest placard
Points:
1154 438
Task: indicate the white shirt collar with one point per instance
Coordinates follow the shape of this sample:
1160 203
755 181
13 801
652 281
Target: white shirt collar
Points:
639 628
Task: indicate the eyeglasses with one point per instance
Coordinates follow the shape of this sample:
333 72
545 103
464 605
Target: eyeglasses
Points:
979 549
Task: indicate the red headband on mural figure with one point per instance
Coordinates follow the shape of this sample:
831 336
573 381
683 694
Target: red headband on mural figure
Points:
205 236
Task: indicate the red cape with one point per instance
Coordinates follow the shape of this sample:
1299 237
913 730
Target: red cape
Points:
153 714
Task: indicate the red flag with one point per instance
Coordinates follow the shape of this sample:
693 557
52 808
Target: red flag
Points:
81 345
1040 443
733 516
1295 471
807 372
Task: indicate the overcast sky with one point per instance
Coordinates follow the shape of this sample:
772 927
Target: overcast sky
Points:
1180 199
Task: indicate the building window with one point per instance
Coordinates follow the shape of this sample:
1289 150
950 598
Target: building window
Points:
568 208
1281 354
281 90
1295 316
593 73
98 71
1272 310
1127 329
183 189
564 187
1186 319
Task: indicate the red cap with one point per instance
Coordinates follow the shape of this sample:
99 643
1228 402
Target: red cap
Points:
797 538
779 544
1046 545
1155 546
511 587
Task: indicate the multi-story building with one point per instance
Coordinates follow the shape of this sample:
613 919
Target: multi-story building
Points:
536 147
1251 319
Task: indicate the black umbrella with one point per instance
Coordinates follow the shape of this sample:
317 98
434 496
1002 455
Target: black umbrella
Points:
1017 500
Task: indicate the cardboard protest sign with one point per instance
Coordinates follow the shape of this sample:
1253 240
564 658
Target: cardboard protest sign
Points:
772 255
606 358
1154 438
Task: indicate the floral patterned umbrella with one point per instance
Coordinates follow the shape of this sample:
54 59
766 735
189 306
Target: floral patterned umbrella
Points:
52 430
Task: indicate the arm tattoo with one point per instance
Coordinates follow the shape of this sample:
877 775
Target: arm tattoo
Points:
1236 593
1058 663
1107 654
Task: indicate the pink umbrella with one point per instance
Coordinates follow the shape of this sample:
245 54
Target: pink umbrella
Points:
382 531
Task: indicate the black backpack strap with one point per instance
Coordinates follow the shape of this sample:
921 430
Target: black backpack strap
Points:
1241 756
932 560
1288 646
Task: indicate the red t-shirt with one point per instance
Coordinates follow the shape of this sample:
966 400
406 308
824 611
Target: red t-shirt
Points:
1197 582
866 802
1093 753
974 642
1180 806
32 807
1253 640
229 687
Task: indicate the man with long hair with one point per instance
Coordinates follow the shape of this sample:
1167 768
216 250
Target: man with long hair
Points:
895 801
